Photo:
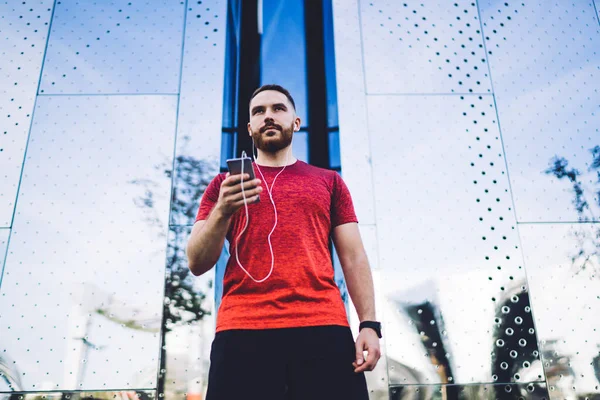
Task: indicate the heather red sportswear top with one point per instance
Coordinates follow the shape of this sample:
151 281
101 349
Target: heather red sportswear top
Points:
301 290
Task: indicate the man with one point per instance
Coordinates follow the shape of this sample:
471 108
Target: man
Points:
282 329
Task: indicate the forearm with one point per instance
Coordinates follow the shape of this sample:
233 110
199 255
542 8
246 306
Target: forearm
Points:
205 246
360 287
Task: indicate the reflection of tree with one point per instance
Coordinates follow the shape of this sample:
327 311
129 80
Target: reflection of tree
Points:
587 256
184 303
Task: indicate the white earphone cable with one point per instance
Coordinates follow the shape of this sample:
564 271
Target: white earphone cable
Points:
270 192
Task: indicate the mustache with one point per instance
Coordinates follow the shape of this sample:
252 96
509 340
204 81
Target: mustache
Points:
270 126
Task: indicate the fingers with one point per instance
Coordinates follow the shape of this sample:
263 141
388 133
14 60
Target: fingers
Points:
232 180
373 355
247 193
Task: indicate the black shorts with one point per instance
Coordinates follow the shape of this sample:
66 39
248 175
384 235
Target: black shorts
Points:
309 363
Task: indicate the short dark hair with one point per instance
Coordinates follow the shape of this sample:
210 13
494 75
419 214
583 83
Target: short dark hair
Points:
277 88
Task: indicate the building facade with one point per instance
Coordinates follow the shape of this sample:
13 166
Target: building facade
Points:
468 133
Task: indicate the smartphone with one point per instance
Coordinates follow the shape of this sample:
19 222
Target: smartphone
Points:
235 168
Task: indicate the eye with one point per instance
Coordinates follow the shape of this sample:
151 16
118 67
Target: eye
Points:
279 108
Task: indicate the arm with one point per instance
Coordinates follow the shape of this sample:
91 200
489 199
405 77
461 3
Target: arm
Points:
350 250
207 237
357 272
206 242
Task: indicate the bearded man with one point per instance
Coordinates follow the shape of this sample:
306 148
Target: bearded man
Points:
282 330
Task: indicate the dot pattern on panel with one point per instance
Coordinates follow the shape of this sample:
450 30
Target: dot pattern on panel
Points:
445 36
545 67
23 32
114 47
515 347
94 277
199 122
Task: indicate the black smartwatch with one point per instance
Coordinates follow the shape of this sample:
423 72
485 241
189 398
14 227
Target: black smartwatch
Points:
376 326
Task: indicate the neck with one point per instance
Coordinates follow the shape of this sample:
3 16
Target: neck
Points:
280 158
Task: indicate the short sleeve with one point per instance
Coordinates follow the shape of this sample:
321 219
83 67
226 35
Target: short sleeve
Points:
210 197
342 208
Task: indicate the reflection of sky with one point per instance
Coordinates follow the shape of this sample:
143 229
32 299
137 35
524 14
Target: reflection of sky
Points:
82 55
428 222
547 96
77 223
283 59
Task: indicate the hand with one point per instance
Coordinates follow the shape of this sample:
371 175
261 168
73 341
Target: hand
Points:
230 195
367 341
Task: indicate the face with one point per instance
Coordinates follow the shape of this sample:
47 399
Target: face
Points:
273 121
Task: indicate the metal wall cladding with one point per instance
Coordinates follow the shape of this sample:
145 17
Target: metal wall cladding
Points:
423 47
83 276
23 32
563 266
457 302
545 67
114 47
483 142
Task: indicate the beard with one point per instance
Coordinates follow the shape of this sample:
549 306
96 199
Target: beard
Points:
275 143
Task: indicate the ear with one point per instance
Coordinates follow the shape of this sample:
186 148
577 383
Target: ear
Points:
249 130
297 124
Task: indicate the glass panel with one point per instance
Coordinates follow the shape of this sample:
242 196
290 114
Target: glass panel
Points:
283 49
548 93
563 265
87 252
87 36
334 149
231 68
524 391
227 148
332 113
200 108
452 271
23 30
188 323
300 145
431 47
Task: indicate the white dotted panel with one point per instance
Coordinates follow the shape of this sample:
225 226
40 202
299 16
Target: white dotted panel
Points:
190 321
200 108
448 243
23 32
546 67
423 47
81 299
120 46
563 265
355 151
4 232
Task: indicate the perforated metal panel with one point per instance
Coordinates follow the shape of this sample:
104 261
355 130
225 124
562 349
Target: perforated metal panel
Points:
457 302
189 321
200 107
23 33
114 47
532 391
423 47
83 280
4 233
546 68
563 265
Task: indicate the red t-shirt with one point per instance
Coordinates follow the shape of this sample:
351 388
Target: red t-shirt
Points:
301 290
